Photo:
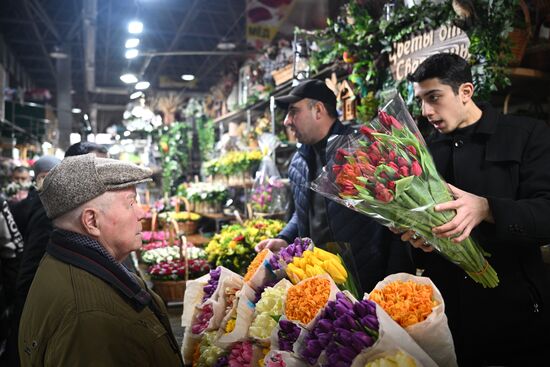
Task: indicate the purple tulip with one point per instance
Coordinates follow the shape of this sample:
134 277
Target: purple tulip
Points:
344 337
347 353
371 322
363 338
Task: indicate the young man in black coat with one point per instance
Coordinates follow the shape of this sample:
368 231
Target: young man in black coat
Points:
497 169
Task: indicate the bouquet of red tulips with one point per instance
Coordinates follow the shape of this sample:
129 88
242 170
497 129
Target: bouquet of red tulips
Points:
386 172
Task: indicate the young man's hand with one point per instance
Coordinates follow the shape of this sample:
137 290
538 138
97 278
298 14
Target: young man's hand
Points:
414 239
274 244
470 211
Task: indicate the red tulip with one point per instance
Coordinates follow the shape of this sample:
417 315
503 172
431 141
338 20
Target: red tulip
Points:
382 193
411 149
336 168
416 169
393 166
391 156
404 171
367 131
341 154
402 161
390 185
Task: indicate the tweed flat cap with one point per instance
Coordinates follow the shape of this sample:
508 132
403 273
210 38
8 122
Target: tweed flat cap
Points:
79 179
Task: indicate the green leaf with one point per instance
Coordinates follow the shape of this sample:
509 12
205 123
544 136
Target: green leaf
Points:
402 185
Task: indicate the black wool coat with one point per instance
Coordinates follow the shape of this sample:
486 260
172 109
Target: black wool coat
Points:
507 161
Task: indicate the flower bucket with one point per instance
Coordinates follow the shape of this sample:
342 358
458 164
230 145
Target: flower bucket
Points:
170 290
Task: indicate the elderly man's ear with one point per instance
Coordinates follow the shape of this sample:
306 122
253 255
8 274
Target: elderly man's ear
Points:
90 221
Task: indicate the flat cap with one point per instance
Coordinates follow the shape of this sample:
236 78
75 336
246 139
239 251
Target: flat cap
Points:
79 179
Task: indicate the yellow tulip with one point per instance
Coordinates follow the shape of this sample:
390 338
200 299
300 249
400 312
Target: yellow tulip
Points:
294 273
332 268
324 255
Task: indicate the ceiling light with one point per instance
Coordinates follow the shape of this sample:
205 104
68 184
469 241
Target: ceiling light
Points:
136 95
132 43
58 53
76 110
135 27
226 45
188 77
86 117
129 78
142 85
131 53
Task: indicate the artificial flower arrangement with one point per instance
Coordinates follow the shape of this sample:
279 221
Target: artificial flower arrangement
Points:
268 319
233 247
386 172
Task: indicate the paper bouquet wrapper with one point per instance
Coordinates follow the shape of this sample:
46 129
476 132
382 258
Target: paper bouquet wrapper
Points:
373 356
289 359
433 334
193 296
392 336
285 284
298 344
190 342
263 274
244 309
229 278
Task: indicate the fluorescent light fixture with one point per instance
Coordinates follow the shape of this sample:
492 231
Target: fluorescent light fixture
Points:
58 53
136 95
188 77
135 27
75 138
132 43
131 53
129 78
76 110
226 45
142 85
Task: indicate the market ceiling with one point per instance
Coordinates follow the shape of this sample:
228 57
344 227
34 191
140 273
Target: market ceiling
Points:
33 29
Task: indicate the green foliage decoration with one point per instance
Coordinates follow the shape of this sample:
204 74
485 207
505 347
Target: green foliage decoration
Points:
368 42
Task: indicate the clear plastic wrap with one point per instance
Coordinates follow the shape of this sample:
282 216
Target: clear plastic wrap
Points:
385 171
268 194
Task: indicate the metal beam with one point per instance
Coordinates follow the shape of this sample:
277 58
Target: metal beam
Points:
42 45
41 13
189 16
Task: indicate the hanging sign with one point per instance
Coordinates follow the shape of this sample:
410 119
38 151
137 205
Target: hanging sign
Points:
264 18
407 55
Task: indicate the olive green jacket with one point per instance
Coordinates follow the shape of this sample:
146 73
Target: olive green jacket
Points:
73 318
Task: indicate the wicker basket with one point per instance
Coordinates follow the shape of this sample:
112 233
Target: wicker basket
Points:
519 37
170 290
188 228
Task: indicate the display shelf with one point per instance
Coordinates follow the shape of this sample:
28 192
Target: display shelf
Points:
528 73
261 105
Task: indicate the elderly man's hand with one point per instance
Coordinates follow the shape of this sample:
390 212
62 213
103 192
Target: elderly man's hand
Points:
415 240
274 244
470 211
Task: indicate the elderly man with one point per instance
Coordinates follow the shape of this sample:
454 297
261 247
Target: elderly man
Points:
84 308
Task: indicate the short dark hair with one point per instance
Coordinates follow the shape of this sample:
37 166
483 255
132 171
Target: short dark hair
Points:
450 69
331 110
85 147
20 169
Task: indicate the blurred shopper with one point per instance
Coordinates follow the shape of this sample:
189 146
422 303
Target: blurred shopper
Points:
84 307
